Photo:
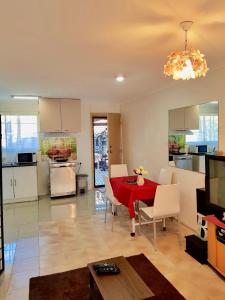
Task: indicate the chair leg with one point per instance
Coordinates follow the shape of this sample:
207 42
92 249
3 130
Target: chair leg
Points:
137 206
154 232
106 202
179 229
114 209
139 220
164 224
133 227
113 215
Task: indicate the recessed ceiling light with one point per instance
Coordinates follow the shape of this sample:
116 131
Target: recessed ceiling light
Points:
120 78
20 97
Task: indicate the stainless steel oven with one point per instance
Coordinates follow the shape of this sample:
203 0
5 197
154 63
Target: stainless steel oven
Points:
62 178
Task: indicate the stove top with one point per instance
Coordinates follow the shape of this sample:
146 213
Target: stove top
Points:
62 162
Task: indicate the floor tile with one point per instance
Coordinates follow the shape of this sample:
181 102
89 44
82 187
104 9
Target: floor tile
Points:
51 236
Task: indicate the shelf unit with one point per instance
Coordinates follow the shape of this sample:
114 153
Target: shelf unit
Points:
2 260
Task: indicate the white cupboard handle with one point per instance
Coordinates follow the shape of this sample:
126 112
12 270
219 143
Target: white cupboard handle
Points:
11 182
15 182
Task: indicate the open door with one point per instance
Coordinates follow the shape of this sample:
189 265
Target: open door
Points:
100 149
114 138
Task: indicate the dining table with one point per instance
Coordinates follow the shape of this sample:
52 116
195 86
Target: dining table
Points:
127 192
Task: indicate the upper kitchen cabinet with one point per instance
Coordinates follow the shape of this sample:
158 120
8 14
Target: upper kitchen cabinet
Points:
60 115
176 119
50 115
71 115
191 117
185 118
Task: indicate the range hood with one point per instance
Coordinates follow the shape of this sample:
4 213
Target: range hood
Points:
181 132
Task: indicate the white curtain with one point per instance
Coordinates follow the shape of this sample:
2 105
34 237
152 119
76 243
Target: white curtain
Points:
19 134
208 131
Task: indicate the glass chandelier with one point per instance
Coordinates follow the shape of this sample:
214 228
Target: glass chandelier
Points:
186 64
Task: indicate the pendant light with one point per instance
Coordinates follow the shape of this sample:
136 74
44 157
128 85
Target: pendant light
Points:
186 64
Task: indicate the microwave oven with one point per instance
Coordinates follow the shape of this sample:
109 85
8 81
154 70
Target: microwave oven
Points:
26 158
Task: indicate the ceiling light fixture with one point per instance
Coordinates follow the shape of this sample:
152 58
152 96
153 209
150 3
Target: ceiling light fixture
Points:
20 97
186 64
120 78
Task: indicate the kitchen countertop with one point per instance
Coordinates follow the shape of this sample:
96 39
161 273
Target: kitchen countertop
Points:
52 161
177 153
190 153
14 165
199 154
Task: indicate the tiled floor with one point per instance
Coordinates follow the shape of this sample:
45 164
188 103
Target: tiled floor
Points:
56 235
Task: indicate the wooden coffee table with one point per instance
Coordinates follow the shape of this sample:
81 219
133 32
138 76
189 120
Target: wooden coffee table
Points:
124 286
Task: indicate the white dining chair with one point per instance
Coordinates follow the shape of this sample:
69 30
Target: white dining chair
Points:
165 176
166 204
110 197
118 170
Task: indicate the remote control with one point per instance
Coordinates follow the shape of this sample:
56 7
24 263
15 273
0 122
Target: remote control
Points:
103 265
106 268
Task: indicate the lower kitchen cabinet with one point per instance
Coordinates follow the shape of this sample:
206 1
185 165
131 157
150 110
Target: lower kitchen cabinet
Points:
19 184
7 185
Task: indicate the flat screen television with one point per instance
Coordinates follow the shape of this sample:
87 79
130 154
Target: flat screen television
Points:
215 184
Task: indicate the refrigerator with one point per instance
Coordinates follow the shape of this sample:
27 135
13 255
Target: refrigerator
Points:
2 261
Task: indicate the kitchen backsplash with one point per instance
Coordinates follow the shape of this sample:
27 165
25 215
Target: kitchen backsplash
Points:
177 143
58 147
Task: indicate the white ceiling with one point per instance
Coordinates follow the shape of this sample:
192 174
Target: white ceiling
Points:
75 48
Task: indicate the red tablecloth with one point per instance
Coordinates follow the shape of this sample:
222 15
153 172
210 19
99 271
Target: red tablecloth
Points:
126 193
213 219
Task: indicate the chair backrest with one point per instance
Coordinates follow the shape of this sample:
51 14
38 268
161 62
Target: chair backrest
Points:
118 170
165 176
167 200
108 190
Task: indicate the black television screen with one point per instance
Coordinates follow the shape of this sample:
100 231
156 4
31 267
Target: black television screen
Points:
215 181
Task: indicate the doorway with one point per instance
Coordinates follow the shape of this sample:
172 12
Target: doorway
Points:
100 150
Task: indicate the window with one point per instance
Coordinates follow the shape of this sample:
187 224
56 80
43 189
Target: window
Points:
208 131
19 134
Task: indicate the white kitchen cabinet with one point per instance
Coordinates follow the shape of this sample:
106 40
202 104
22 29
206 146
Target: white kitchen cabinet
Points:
71 115
7 185
50 116
60 115
25 182
19 184
192 117
176 119
185 118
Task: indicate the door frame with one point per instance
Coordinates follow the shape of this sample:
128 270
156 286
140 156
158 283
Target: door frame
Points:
92 116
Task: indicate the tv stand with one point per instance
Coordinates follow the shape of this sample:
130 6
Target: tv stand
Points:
216 244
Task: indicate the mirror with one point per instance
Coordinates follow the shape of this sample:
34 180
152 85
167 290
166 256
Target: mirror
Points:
193 132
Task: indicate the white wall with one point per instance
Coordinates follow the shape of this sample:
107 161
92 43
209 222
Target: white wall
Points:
145 131
19 107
